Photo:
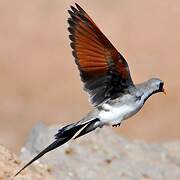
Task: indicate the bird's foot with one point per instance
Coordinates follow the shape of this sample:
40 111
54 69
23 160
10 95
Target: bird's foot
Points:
116 125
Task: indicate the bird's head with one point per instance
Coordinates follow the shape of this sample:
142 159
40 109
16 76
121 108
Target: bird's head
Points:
156 85
151 87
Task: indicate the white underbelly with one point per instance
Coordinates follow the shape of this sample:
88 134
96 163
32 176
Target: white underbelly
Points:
115 114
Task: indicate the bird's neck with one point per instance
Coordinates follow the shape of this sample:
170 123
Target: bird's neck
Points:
146 91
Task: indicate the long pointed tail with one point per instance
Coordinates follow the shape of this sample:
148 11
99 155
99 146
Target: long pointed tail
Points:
64 135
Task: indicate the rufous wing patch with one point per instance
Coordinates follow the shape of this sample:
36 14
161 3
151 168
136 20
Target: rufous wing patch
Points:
94 54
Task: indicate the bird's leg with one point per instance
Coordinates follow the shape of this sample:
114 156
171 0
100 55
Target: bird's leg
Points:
116 125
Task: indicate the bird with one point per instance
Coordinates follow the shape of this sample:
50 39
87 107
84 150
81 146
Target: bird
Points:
106 78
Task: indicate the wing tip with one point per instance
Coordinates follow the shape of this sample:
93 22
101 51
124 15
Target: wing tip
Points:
79 8
71 13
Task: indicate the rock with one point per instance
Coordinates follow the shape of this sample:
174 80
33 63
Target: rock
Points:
104 155
10 164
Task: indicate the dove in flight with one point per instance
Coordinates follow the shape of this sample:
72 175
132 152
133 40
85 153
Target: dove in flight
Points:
106 78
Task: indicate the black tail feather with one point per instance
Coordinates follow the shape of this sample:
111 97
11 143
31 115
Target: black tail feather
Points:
52 146
68 131
61 137
64 134
88 128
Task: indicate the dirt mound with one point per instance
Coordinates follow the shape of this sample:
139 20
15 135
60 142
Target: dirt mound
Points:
10 164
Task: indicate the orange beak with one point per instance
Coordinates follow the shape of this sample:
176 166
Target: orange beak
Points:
164 91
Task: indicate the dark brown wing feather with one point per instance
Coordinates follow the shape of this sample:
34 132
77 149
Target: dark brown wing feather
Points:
103 69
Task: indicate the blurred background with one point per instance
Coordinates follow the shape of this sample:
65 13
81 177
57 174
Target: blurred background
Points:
39 79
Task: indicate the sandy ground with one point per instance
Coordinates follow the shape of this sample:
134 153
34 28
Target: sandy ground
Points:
40 82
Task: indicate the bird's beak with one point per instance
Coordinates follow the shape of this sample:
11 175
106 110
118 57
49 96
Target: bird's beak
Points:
164 91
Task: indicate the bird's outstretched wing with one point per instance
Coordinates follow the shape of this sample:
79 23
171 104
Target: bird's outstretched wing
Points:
103 69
